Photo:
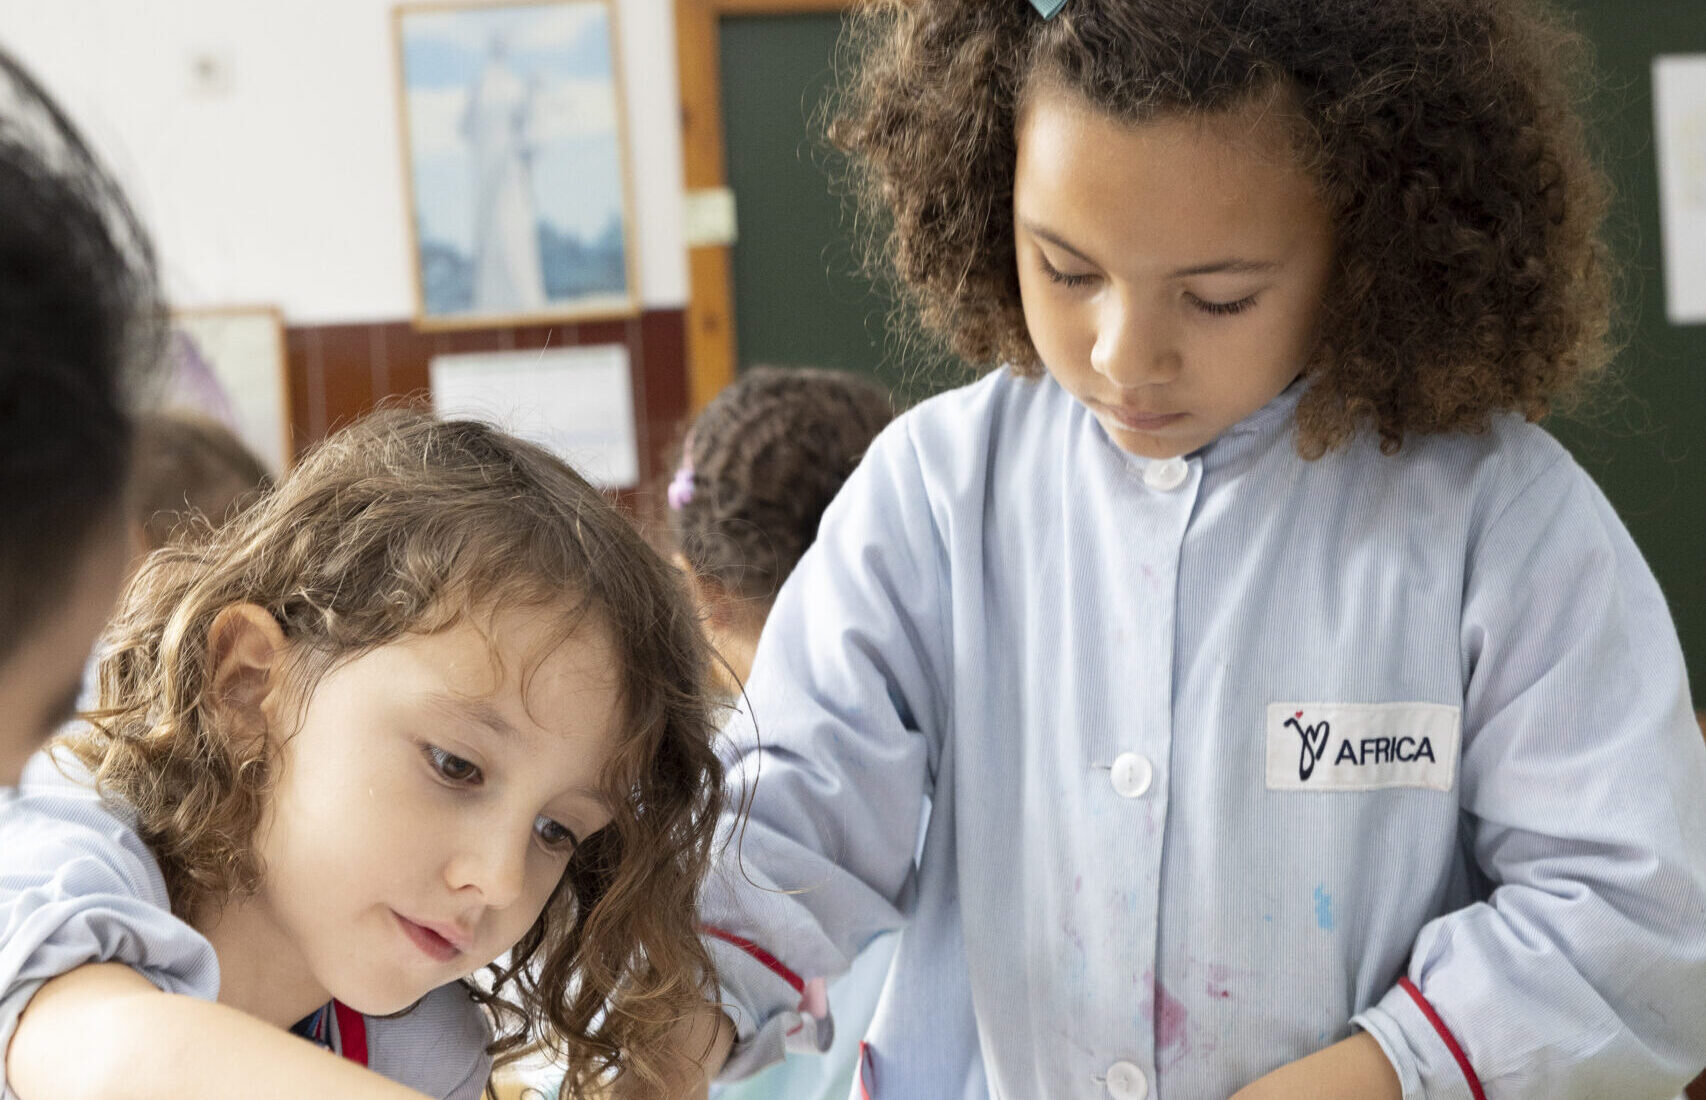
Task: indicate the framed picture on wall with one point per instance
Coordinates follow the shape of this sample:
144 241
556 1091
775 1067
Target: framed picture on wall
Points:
516 160
228 364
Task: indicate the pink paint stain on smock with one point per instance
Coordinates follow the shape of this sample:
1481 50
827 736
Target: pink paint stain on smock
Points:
1169 1019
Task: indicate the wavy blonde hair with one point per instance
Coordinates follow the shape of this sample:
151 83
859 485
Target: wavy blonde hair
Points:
402 524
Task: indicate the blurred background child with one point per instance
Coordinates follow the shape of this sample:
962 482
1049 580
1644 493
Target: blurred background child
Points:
188 465
758 468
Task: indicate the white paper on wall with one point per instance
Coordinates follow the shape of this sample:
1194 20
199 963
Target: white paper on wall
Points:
576 402
1679 108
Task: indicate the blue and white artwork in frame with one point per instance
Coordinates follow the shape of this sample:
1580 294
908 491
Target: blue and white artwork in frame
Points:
517 162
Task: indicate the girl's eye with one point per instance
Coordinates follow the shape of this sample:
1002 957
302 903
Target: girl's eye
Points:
1223 309
1060 277
452 768
555 836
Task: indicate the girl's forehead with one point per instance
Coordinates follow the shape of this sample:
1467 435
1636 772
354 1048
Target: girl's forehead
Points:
1190 177
1260 132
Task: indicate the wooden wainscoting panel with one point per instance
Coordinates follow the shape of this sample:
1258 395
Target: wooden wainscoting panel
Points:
339 373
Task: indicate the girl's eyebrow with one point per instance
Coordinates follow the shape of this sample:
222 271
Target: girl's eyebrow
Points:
1055 239
1227 267
475 710
1216 267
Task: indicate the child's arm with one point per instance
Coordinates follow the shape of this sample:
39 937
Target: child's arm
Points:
848 704
1582 974
1354 1069
104 1030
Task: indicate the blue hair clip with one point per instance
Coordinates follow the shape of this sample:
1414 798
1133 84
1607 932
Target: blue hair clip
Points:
1048 8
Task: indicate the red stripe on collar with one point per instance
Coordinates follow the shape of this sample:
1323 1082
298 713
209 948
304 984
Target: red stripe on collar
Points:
352 1033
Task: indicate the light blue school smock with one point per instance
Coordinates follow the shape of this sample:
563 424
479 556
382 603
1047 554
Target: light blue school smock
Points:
1230 756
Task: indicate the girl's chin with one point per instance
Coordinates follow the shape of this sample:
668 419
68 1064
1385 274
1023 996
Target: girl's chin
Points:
1145 444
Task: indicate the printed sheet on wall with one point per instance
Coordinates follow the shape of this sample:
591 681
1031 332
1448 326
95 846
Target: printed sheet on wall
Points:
1679 106
576 402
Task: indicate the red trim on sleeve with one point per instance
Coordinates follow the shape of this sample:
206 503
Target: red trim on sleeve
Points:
866 1067
771 962
1409 987
352 1033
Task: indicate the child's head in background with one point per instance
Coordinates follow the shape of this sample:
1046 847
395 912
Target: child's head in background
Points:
428 701
758 468
188 465
81 326
1178 206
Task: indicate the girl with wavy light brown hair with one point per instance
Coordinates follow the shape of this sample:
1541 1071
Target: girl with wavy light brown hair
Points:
1298 719
430 707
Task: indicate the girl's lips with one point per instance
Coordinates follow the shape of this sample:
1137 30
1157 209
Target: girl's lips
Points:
1141 421
435 945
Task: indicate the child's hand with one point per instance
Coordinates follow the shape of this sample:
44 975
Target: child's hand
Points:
1354 1069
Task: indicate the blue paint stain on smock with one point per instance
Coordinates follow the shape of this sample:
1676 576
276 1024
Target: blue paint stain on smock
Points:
1323 909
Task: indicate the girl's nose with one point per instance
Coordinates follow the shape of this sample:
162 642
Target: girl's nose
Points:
1135 346
492 862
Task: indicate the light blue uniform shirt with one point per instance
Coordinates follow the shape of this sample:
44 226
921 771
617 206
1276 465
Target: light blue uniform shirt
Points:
1221 749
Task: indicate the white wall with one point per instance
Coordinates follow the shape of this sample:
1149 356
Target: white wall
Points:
285 186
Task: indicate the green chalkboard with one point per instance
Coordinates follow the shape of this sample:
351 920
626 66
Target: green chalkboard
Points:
1645 441
800 301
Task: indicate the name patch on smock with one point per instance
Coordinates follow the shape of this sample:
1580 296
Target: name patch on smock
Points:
1362 746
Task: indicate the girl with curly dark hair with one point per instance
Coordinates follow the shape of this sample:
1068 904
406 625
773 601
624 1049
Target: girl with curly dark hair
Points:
411 759
1298 718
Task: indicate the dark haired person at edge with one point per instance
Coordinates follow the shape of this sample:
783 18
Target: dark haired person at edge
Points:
81 325
1299 720
758 468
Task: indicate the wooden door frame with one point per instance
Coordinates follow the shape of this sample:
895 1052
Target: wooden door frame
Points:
710 293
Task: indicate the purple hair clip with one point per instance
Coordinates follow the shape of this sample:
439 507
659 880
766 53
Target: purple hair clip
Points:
681 485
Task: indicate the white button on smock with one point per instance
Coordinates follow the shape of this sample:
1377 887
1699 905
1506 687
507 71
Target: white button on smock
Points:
1126 1082
1166 474
1132 774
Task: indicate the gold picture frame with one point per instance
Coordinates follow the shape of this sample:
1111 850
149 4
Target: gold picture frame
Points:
516 162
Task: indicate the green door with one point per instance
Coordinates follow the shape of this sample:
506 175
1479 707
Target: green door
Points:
799 299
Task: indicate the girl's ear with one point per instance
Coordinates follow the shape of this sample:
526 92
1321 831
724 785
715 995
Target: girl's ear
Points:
246 648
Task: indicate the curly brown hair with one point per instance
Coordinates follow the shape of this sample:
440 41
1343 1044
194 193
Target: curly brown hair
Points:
765 458
398 525
1471 276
